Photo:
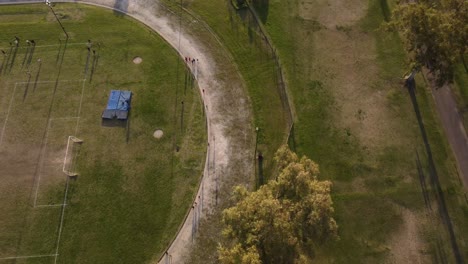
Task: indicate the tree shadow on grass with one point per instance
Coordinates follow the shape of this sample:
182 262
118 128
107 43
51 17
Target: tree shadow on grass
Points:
261 179
261 7
12 63
385 10
248 21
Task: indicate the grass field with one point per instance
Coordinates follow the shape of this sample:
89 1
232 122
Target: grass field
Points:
133 190
355 118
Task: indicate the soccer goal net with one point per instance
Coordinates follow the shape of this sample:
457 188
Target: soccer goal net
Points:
69 162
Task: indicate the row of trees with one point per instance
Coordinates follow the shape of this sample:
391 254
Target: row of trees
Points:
435 33
284 220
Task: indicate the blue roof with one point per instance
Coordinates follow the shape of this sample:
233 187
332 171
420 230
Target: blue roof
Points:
119 100
118 105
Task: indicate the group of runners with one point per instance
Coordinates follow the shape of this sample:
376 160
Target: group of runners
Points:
190 60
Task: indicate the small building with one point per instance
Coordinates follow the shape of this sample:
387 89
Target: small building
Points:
118 105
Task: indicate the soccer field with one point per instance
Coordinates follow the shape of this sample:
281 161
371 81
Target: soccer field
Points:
132 189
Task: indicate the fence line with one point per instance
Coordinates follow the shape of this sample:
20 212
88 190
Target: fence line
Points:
281 81
282 86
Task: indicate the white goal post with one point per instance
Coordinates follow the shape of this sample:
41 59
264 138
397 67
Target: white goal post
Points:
71 153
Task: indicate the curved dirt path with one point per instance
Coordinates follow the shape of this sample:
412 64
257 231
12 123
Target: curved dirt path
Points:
227 108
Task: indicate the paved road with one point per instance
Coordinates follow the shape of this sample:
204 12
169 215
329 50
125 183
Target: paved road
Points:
452 122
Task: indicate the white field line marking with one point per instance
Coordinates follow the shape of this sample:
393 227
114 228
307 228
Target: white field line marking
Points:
64 118
79 108
68 44
44 151
32 256
66 154
61 220
63 205
50 205
77 124
57 118
52 45
76 80
41 162
66 188
7 115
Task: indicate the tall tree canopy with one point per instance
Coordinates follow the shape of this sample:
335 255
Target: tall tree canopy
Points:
283 220
435 33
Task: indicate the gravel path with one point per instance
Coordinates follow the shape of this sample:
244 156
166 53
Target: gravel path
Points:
227 108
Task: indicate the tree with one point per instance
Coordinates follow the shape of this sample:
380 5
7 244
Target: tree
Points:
283 220
435 33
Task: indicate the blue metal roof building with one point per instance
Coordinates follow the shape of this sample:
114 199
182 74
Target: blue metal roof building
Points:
118 105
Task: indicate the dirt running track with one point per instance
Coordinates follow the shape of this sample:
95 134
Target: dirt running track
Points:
227 108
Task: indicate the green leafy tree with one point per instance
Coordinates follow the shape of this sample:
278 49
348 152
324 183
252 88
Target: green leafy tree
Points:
283 220
435 33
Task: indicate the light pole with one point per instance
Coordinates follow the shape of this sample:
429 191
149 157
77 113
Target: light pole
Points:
58 20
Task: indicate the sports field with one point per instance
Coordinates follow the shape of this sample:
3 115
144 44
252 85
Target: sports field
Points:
132 190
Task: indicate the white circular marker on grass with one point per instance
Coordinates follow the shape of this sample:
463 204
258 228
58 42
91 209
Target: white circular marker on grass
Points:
158 134
137 60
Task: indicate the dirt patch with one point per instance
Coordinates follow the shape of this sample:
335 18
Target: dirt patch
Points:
17 162
158 134
358 185
362 112
332 13
137 60
345 61
406 245
65 14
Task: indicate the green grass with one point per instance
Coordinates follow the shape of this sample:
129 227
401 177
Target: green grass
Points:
373 182
130 197
386 173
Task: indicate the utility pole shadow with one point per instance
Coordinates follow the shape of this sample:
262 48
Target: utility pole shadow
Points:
37 74
94 64
433 176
